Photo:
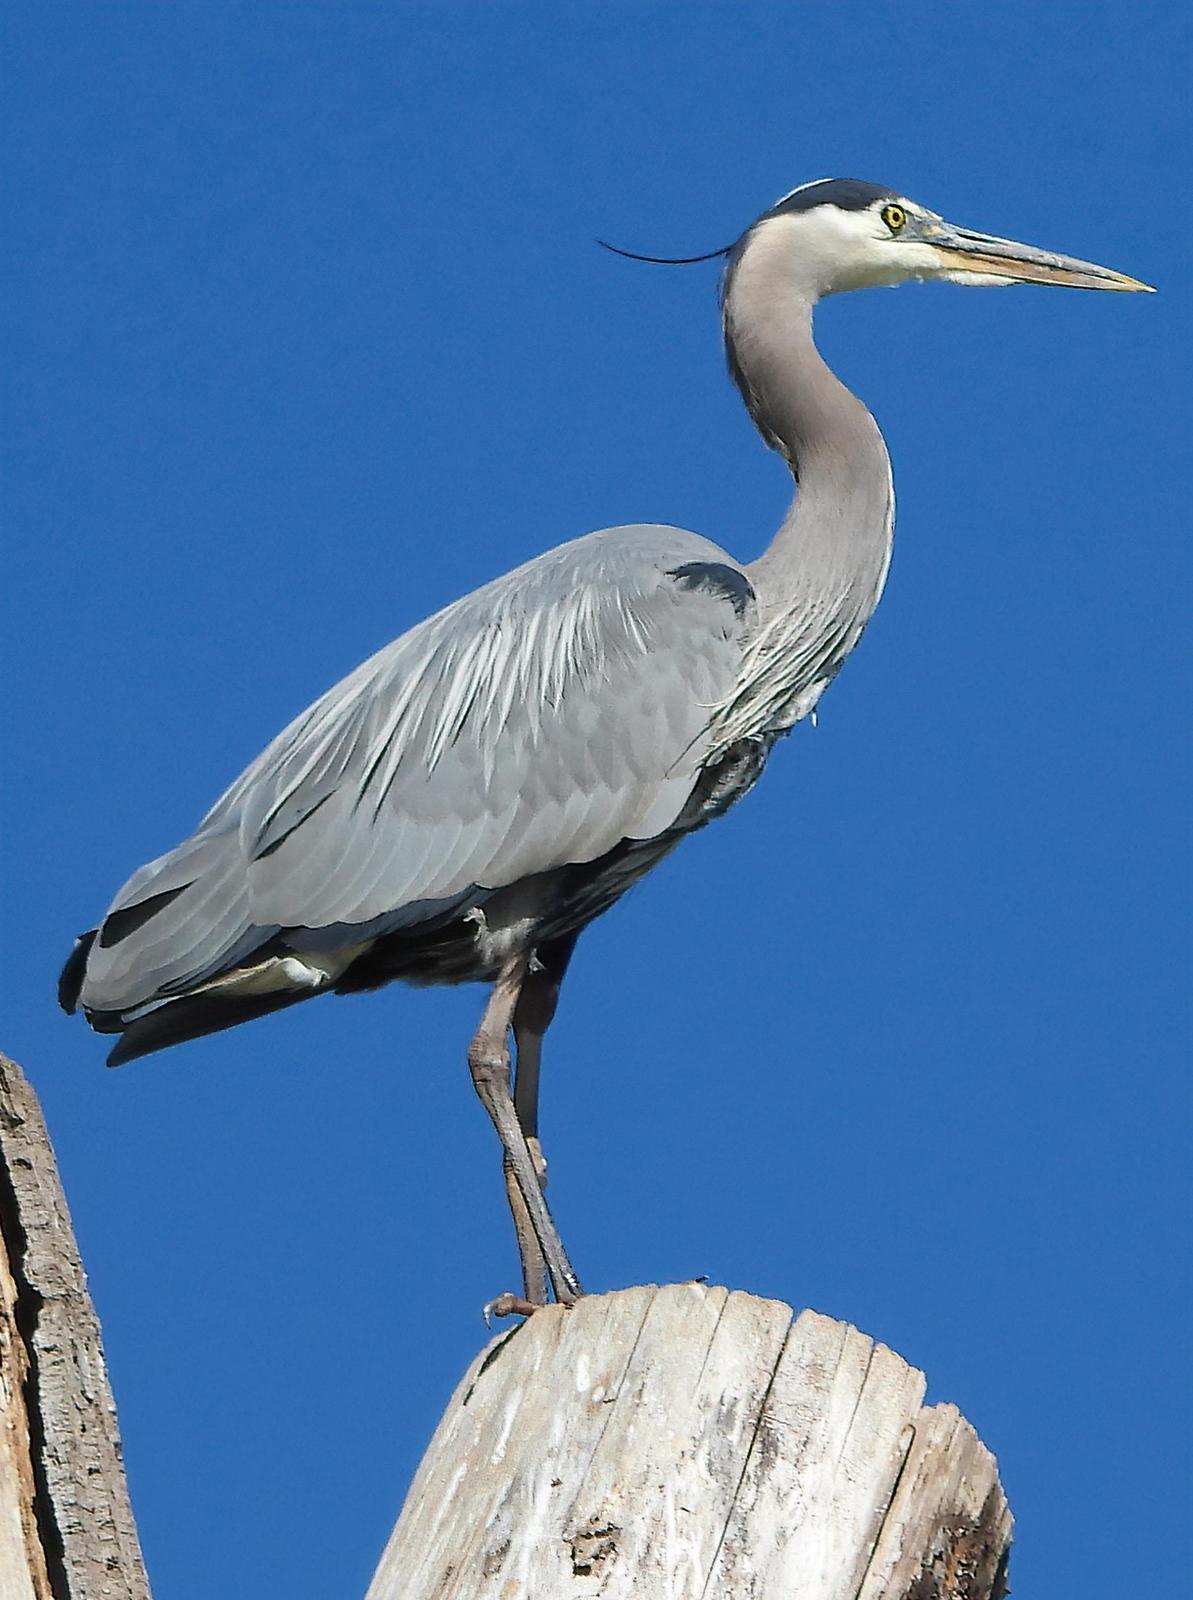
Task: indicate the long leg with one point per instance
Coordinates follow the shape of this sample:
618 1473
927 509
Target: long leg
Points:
534 1262
533 1013
489 1062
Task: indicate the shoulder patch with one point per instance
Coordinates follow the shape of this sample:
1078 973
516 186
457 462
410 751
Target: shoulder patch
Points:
726 582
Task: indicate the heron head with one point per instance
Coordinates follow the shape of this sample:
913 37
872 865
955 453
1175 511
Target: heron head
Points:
846 234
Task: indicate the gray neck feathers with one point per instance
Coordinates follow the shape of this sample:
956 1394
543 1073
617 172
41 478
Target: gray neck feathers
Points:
821 577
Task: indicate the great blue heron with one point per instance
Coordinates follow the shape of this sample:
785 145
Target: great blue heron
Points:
464 803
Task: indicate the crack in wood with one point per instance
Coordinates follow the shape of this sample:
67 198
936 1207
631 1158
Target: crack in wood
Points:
688 1441
766 1451
81 1518
27 1303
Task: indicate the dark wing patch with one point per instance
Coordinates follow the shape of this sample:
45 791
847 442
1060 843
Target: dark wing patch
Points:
71 980
121 923
726 582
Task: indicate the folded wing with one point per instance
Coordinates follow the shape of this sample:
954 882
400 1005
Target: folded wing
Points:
533 724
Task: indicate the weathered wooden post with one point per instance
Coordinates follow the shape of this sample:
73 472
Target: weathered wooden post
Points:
66 1531
694 1443
677 1442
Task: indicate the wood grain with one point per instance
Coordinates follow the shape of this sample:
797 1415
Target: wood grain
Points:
66 1529
691 1442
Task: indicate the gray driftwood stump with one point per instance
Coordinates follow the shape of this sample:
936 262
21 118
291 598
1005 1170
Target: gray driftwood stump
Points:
686 1442
66 1531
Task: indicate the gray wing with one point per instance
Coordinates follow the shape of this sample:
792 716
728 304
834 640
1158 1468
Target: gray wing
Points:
533 724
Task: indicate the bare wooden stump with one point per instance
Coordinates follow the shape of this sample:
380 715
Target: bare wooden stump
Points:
683 1442
66 1531
690 1442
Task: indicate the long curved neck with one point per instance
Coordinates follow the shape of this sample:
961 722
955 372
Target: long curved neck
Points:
841 514
821 577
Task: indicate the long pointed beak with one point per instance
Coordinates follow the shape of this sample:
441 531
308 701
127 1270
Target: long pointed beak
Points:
974 257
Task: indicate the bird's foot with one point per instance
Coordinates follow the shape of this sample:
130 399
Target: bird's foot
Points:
516 1305
509 1305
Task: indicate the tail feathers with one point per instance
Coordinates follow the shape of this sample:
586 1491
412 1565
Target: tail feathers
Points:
71 979
188 1018
178 921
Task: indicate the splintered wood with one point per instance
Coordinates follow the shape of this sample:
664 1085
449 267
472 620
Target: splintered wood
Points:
689 1443
66 1531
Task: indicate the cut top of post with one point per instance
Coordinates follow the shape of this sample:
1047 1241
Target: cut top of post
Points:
694 1442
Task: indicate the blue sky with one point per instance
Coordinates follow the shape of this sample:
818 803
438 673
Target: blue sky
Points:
307 334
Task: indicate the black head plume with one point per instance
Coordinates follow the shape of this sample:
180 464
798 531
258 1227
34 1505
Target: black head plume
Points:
847 194
665 261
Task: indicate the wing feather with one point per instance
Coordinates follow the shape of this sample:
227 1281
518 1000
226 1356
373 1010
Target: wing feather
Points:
534 724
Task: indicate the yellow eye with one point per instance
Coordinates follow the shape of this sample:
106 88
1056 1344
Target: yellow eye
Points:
894 217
